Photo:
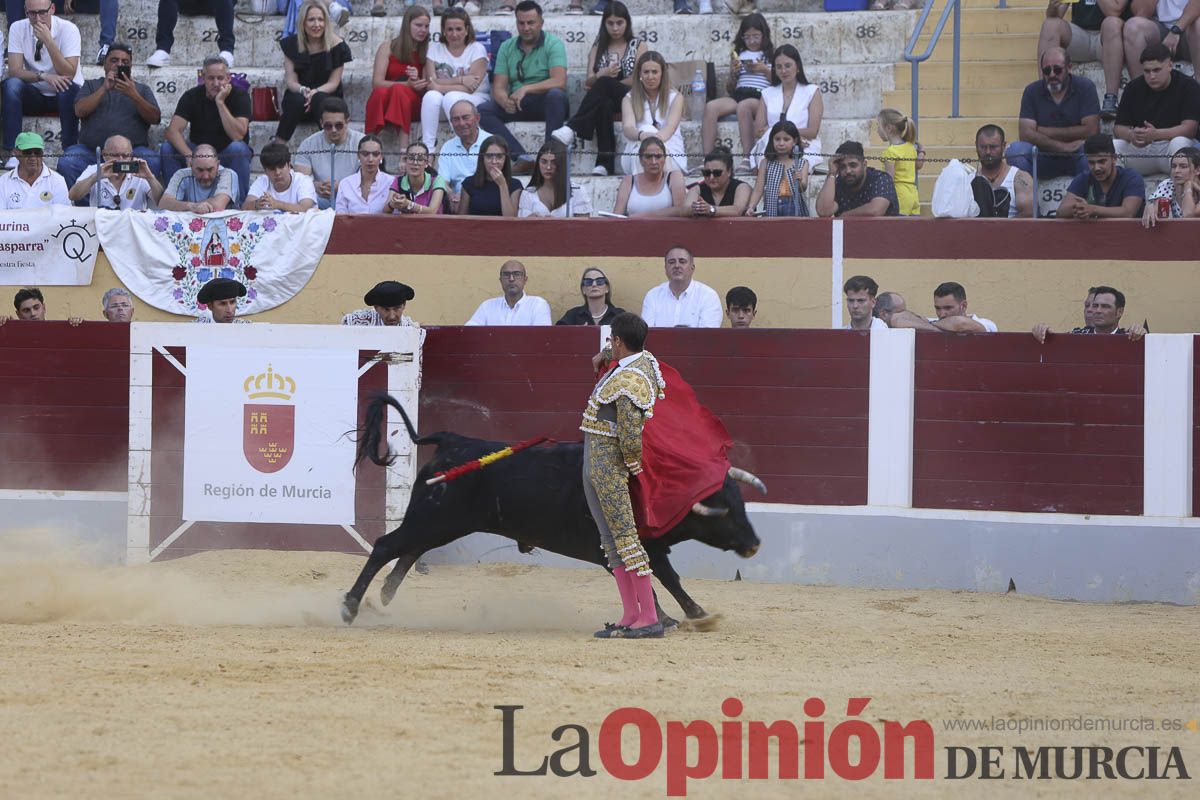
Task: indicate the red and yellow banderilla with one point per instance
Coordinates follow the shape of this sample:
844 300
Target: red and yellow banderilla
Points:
483 461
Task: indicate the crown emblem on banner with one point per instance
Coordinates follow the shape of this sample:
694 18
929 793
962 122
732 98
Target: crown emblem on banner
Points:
269 384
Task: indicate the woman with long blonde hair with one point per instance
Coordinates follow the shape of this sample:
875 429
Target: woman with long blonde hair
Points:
313 61
652 110
398 78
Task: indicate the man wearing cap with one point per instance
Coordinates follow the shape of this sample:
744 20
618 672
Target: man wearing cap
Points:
43 71
387 300
221 296
32 184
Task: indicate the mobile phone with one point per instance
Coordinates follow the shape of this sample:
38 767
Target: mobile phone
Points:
124 71
125 167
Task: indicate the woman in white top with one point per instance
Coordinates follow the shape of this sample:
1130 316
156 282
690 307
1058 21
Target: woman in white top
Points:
790 97
655 191
547 195
652 109
366 191
456 68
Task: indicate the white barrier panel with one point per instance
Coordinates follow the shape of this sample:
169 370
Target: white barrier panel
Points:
265 435
266 411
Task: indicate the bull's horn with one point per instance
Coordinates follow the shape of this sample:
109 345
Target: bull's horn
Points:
708 511
747 477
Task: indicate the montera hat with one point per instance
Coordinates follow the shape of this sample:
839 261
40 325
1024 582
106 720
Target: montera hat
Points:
389 294
220 289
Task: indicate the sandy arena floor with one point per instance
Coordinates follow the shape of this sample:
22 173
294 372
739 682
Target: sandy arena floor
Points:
228 675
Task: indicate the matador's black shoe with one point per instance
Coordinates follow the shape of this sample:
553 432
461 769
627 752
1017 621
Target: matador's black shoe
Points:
653 631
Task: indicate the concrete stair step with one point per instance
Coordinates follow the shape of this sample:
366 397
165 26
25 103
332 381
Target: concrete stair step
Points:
988 47
972 103
1012 75
846 38
947 131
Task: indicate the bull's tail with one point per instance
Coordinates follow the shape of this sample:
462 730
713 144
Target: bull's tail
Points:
371 434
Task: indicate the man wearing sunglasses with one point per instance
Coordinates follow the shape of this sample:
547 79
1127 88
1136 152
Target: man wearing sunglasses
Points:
1057 114
529 84
32 184
43 71
331 153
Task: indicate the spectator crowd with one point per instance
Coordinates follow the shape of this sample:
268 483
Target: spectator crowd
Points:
631 110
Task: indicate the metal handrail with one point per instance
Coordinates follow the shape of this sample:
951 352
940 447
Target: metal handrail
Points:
909 56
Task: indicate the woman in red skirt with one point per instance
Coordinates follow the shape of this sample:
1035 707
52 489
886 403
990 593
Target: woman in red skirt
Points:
396 83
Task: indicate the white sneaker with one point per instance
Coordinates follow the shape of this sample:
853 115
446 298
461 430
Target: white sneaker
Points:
227 57
160 58
471 7
101 54
600 171
705 7
565 134
339 13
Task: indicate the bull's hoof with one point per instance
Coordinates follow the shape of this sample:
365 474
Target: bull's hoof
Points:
669 623
349 609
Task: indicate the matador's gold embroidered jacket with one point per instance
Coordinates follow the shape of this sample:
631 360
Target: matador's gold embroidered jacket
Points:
632 389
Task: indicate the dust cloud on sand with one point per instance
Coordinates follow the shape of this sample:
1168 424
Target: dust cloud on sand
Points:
45 581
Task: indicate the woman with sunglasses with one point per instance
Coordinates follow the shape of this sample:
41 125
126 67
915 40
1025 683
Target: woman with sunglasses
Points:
366 191
654 191
416 190
397 81
597 308
791 98
551 192
613 58
652 109
721 194
490 191
456 68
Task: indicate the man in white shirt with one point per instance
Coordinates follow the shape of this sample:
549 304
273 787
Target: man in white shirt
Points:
32 184
114 186
281 188
314 158
43 71
514 307
860 294
681 302
459 155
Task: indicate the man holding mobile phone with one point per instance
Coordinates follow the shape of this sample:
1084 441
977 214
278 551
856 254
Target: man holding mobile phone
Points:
122 182
115 105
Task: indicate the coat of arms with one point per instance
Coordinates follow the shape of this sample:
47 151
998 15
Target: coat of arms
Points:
268 429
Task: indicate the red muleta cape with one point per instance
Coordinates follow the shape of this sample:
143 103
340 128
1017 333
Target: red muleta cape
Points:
683 458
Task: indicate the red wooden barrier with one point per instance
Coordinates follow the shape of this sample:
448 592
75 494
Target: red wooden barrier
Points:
1003 423
64 406
795 402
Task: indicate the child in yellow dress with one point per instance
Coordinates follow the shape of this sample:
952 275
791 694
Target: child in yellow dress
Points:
902 157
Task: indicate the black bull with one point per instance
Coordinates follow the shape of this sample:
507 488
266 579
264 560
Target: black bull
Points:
534 497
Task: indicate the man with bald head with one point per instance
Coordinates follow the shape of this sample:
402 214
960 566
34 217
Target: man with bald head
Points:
514 307
203 187
115 186
459 155
1057 114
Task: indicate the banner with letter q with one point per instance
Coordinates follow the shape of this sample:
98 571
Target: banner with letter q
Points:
50 246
